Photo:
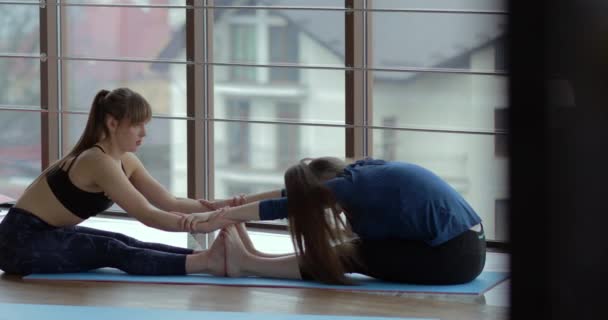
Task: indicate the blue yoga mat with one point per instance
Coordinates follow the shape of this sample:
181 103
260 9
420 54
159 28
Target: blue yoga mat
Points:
483 283
14 311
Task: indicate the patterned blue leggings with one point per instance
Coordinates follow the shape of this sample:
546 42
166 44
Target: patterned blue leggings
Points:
30 245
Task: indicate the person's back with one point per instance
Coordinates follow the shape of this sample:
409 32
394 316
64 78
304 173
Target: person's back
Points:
76 173
401 200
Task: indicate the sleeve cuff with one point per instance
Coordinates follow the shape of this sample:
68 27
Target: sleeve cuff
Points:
273 209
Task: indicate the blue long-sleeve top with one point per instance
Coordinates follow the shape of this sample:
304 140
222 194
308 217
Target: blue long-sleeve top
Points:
393 200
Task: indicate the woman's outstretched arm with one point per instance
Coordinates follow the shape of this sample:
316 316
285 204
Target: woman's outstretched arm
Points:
108 175
155 192
242 199
210 221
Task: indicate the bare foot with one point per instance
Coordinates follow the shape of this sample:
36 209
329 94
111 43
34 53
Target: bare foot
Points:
247 243
236 254
216 258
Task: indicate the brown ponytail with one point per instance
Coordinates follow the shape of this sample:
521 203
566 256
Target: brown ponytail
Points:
95 128
315 236
122 104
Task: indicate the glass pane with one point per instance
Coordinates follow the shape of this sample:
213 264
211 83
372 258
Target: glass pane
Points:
441 4
163 151
316 96
163 85
467 162
19 29
252 158
118 33
129 2
20 81
259 36
425 40
439 101
283 3
20 160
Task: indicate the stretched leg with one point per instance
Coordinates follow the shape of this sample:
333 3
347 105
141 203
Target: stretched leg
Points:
211 261
248 244
239 262
65 250
132 242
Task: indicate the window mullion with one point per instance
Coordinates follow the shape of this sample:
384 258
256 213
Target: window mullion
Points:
49 83
197 129
368 81
354 83
208 86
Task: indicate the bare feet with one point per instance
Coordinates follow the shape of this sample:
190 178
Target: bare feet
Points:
216 259
247 243
236 253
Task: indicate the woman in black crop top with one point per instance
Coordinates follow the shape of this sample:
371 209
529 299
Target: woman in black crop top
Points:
40 234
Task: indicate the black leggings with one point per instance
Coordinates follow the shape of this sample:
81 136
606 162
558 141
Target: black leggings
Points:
456 261
30 245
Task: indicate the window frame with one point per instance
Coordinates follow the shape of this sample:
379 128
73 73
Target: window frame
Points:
200 64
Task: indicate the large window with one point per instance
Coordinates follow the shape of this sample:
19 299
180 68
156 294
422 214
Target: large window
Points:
288 136
243 49
20 145
284 48
242 89
237 144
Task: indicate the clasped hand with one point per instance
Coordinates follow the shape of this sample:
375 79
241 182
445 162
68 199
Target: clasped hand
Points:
206 222
213 220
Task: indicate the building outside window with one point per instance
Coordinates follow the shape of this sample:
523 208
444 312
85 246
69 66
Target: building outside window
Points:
238 147
284 49
288 136
277 89
244 44
388 140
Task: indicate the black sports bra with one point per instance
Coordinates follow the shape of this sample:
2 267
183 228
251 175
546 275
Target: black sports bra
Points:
82 203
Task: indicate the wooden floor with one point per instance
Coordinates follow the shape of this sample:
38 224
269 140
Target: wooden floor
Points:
492 305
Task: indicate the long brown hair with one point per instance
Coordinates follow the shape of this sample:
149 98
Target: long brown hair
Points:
122 104
315 234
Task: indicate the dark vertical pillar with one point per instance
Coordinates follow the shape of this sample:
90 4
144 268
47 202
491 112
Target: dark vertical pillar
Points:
559 167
